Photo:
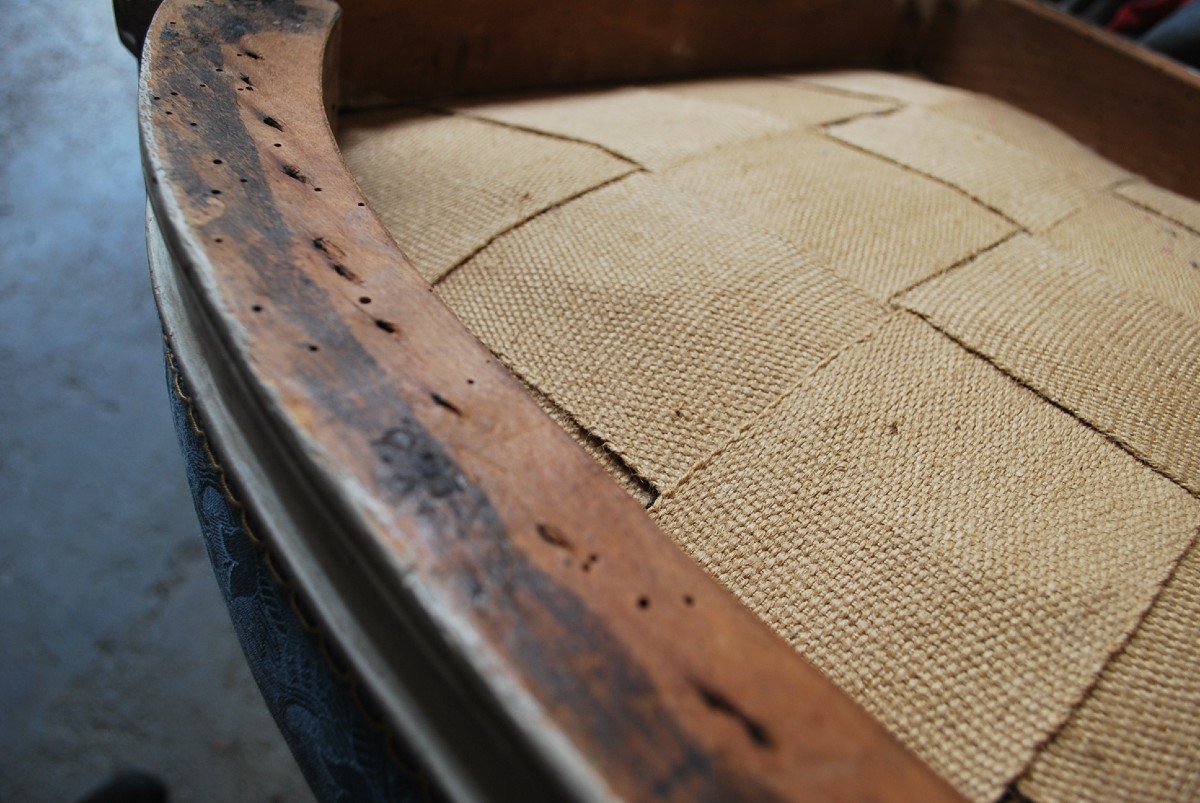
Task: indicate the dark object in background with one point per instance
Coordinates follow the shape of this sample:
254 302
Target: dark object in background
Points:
1171 27
133 20
132 786
1178 36
1139 16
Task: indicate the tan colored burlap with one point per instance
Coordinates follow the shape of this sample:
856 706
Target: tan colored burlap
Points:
1183 211
446 185
908 90
654 129
789 101
879 226
966 518
1120 360
1033 191
661 326
956 553
1031 134
1138 249
1135 737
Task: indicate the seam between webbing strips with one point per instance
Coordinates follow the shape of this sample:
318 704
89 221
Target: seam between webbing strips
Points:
749 424
1090 689
949 268
539 132
514 227
1113 439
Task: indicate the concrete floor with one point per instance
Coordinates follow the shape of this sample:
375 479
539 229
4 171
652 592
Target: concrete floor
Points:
115 647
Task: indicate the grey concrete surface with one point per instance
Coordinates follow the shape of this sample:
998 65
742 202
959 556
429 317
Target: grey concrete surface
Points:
115 648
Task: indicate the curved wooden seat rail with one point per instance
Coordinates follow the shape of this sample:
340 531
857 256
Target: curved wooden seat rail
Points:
518 616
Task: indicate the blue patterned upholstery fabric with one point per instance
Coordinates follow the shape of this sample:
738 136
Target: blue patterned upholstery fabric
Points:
343 754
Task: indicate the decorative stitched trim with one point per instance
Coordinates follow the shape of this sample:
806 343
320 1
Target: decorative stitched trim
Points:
337 664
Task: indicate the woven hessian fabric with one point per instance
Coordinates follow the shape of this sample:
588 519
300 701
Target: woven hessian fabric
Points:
1183 211
1031 190
1084 337
913 373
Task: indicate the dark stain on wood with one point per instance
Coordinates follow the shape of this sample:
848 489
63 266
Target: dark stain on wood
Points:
554 536
536 612
291 171
445 404
722 704
335 255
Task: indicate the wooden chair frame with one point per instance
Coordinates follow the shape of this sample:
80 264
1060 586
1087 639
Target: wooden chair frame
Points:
519 618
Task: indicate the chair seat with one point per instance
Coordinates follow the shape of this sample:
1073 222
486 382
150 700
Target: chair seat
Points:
913 373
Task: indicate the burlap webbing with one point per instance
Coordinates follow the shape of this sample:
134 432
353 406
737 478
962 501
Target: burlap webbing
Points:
1020 184
954 551
661 326
970 521
1183 211
781 98
905 90
448 185
811 191
637 488
1143 252
1086 339
1134 738
1031 134
655 129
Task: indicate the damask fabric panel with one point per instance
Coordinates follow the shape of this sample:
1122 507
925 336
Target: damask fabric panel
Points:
1088 340
960 556
1138 249
973 517
343 755
877 225
654 129
1134 737
663 327
1031 190
446 185
1183 211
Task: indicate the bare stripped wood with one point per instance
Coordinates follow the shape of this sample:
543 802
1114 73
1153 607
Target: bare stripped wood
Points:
396 51
1135 107
615 664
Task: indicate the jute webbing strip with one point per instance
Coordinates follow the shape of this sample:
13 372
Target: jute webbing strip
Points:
654 129
663 327
1135 737
960 556
446 185
1027 188
1138 249
1183 211
1120 360
1031 134
789 101
879 226
907 90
